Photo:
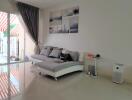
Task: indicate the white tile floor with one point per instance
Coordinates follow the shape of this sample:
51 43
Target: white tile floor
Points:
77 86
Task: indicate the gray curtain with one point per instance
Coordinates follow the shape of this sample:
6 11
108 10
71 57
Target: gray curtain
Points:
30 15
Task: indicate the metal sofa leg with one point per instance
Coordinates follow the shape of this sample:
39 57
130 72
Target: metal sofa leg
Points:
56 78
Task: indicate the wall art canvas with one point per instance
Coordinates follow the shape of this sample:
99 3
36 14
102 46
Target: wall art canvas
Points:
64 21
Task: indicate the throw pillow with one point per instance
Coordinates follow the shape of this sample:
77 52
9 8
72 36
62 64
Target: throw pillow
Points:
55 53
65 57
74 55
45 51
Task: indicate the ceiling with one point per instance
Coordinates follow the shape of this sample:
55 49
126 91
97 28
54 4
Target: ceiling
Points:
44 3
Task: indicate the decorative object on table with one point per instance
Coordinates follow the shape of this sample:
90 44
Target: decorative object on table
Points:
97 56
92 66
117 76
90 56
64 21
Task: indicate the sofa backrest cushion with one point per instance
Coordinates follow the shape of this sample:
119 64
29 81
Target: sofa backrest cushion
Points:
46 50
55 53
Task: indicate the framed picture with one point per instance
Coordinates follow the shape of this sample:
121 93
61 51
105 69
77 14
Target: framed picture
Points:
64 21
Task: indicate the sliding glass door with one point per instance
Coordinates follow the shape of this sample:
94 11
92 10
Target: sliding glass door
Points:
11 51
16 39
11 39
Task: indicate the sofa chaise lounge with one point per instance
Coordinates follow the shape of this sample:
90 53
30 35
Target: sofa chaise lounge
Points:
56 61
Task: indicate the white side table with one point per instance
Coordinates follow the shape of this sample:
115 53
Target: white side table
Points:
92 67
91 63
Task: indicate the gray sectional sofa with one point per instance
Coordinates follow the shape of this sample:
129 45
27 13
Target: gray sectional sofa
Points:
56 61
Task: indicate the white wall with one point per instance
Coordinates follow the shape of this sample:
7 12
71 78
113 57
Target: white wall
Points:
105 27
7 5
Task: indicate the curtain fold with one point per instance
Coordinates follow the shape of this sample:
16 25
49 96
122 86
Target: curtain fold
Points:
30 15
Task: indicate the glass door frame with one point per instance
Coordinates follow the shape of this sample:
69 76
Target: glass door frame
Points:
8 38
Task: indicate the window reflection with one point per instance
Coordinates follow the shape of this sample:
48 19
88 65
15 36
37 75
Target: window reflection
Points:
15 79
9 87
